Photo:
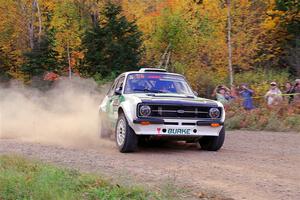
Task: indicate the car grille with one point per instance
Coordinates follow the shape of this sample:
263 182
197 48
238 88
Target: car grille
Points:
171 111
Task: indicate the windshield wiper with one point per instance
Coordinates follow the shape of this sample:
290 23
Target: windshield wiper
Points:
147 90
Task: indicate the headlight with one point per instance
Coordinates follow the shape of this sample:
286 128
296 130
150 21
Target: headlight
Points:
145 111
214 113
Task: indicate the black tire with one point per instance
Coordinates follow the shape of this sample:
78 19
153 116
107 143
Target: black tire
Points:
130 139
213 143
104 130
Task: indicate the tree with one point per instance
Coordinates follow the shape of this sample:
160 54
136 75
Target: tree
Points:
94 58
124 44
13 37
113 46
289 12
66 22
229 43
41 58
5 64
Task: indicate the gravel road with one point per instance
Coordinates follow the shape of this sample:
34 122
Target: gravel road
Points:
251 165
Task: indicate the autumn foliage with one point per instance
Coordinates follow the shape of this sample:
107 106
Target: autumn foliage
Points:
195 32
184 36
100 39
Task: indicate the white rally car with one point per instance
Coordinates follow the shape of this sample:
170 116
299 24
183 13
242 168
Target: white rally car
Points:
152 103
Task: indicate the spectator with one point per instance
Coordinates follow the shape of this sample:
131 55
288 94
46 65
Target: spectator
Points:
297 91
289 89
246 95
214 94
220 94
273 96
229 93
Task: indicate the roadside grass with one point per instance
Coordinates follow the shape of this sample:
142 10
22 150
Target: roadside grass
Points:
25 179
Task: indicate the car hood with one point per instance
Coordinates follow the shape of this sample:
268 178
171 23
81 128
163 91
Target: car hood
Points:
173 99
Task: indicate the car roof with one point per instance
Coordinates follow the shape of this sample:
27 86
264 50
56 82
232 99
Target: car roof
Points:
149 72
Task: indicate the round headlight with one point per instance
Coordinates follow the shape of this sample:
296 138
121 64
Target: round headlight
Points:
145 111
214 113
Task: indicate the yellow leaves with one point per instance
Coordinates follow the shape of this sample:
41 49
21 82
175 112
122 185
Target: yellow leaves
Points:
270 23
49 5
277 13
273 19
66 22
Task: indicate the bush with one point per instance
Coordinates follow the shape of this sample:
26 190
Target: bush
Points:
283 118
292 122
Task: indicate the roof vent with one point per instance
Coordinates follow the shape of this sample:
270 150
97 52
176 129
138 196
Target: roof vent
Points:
152 70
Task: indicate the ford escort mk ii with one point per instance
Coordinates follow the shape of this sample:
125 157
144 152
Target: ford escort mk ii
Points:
152 104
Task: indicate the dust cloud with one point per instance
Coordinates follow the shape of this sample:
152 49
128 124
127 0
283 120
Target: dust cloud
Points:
65 115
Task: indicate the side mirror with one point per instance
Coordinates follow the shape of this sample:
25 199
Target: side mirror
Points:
118 91
195 93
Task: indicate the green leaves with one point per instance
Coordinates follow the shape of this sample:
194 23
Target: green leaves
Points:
42 58
112 46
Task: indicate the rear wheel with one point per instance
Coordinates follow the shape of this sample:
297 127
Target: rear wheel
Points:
126 139
213 143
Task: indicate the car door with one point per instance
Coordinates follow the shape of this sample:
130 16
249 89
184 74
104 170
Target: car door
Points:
114 100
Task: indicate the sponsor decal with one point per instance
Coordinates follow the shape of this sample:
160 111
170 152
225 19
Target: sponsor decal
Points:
179 131
154 76
122 98
158 130
137 76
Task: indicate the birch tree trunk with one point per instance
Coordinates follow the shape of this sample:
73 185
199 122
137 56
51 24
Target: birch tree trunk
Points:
95 13
163 58
30 33
229 43
29 23
40 20
69 61
29 19
168 60
31 26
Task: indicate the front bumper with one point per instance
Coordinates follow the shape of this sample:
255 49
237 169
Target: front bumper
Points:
176 127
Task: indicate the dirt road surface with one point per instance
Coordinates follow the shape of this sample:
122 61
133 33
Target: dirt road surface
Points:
251 165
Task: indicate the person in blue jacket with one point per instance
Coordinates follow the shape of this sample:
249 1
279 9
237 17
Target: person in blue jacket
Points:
246 95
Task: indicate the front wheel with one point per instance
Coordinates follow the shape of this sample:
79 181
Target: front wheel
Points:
213 143
126 139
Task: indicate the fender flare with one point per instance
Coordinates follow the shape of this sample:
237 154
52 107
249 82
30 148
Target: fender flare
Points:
128 114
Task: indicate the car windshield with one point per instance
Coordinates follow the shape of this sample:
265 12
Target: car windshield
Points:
156 83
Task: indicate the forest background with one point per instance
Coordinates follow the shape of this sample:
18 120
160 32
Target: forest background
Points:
101 39
41 40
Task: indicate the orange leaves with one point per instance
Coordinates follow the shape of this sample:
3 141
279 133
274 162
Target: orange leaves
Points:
75 57
51 76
